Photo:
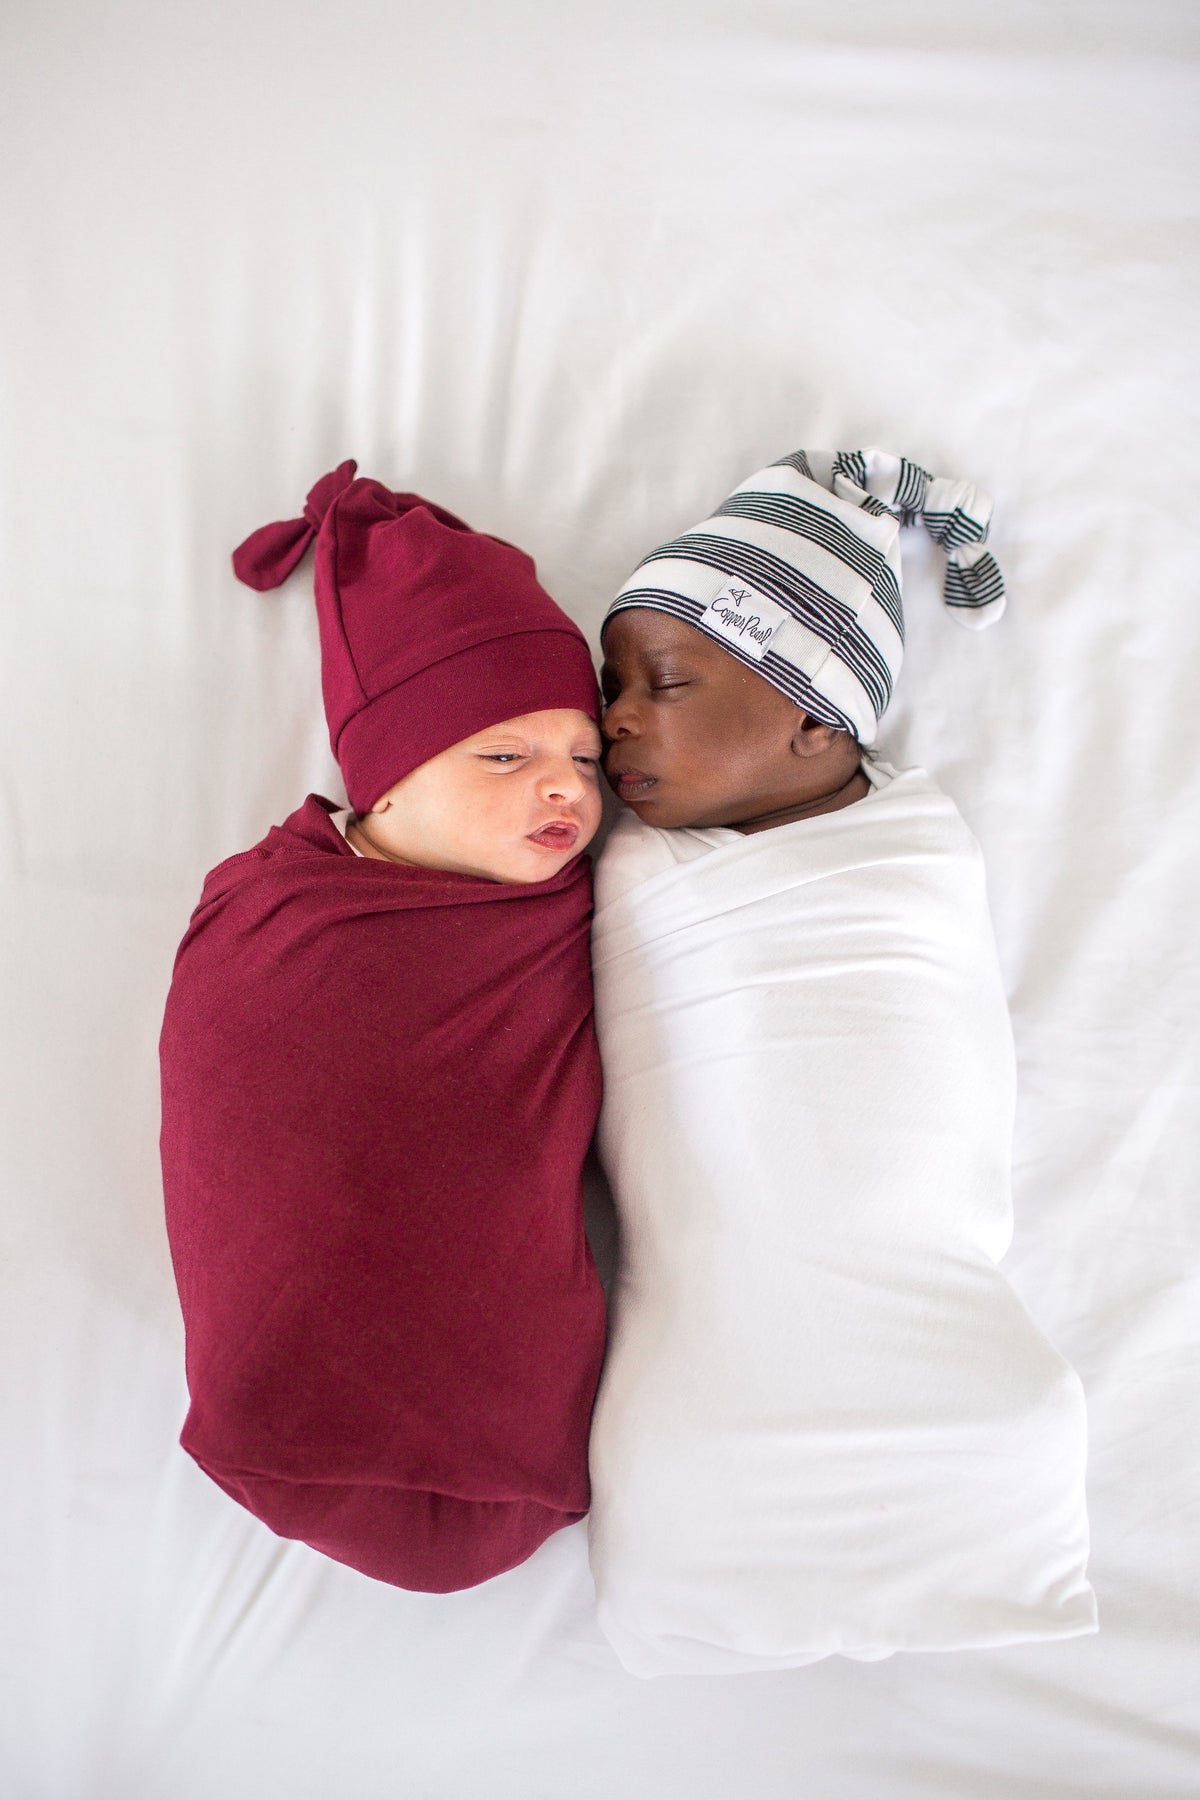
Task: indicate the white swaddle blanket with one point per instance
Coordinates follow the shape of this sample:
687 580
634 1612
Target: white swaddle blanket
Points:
826 1423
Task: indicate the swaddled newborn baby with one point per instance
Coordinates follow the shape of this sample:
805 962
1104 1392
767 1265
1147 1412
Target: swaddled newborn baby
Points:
379 1073
826 1424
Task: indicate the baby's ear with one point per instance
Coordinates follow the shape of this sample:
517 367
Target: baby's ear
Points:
812 738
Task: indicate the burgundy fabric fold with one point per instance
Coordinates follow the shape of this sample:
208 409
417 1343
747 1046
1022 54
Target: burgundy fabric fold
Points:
430 631
267 557
379 1084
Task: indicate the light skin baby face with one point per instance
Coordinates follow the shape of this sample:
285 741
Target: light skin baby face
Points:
513 803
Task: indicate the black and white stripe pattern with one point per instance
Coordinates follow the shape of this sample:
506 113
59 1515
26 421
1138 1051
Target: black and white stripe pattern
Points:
904 488
820 527
954 513
816 536
978 584
824 616
798 460
791 681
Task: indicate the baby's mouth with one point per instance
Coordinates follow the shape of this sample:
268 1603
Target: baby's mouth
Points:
632 784
558 835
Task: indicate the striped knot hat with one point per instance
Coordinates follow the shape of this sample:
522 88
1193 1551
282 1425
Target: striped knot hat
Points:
798 575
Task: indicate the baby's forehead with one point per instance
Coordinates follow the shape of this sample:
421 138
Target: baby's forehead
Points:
646 631
554 725
645 645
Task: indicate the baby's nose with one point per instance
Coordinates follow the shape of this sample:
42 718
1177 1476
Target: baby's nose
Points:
616 719
564 783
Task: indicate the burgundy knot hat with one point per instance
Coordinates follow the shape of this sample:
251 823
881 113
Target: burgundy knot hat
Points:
430 631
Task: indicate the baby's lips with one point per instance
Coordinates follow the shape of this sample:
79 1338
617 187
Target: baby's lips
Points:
630 778
557 835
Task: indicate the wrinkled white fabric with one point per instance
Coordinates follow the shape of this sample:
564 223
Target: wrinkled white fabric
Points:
826 1422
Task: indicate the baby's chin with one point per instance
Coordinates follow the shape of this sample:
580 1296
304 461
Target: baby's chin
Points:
507 859
529 864
670 811
526 863
653 809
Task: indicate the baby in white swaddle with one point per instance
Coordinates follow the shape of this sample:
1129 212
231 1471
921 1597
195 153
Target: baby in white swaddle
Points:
826 1424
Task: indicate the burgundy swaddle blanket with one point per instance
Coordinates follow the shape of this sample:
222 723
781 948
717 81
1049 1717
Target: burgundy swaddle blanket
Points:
379 1084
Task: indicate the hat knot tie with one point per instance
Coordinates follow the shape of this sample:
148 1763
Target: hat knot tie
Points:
956 514
268 555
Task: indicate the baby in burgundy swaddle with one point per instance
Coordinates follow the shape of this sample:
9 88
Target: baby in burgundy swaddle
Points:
379 1073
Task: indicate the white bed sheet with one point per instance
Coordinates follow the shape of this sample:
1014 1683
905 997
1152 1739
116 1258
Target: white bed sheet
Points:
574 271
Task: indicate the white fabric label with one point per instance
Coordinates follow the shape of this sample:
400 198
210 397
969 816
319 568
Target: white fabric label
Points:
743 616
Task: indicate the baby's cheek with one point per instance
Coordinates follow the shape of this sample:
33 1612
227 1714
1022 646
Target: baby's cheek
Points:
498 811
590 811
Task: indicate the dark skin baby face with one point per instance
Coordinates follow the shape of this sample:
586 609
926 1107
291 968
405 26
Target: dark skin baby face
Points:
694 737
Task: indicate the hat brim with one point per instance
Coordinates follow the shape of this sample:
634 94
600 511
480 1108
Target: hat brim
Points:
398 730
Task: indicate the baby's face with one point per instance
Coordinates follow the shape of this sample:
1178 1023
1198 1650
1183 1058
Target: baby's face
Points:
694 737
513 803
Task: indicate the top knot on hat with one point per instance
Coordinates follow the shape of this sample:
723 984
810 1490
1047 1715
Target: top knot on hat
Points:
269 555
798 575
956 514
430 632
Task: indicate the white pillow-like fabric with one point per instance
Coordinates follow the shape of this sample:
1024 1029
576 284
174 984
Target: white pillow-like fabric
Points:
826 1424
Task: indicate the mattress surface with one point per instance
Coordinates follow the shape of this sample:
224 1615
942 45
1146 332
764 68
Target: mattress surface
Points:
573 273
